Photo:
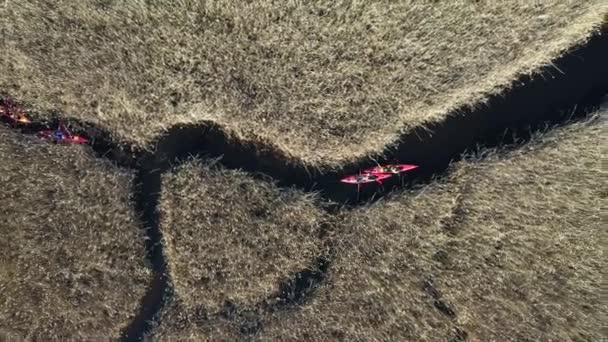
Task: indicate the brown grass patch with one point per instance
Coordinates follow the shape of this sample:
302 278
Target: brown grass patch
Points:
506 248
178 323
231 238
341 73
71 253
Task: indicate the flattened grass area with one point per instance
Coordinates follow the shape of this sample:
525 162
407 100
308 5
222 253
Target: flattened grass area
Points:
509 247
342 73
71 253
231 239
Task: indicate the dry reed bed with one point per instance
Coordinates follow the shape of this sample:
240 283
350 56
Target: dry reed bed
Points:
178 322
71 253
231 239
314 81
506 247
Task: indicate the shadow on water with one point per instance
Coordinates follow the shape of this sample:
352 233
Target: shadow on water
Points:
146 190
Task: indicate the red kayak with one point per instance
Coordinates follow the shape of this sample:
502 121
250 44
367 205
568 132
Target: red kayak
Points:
13 115
365 178
62 135
390 169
